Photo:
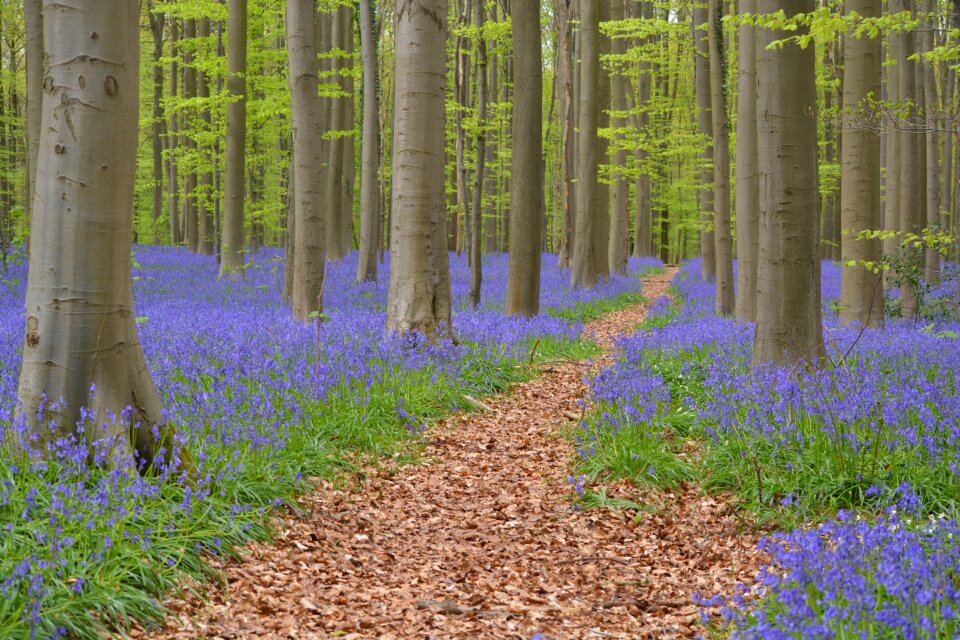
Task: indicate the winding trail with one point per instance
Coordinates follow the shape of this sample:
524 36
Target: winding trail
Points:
482 541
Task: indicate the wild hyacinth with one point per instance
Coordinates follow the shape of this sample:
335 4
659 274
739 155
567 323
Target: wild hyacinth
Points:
261 403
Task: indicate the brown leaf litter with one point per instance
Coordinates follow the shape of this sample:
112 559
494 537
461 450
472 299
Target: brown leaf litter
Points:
483 541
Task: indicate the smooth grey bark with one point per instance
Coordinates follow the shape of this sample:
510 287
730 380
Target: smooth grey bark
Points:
601 230
585 271
337 151
705 126
157 23
909 176
931 101
567 124
231 256
206 232
619 245
419 297
191 227
643 235
747 196
789 329
723 243
891 191
33 25
369 150
523 271
461 79
490 181
861 290
308 225
173 140
81 349
349 139
476 219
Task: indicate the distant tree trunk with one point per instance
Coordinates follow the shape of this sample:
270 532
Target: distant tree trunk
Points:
708 259
891 191
721 164
460 93
349 141
191 226
369 150
337 147
601 230
585 272
829 240
81 349
567 124
619 245
419 294
861 292
643 241
157 22
523 279
207 235
173 133
308 236
931 101
747 197
231 260
909 176
33 25
290 235
476 220
490 182
789 328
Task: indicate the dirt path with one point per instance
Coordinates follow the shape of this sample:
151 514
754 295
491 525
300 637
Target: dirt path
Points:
483 542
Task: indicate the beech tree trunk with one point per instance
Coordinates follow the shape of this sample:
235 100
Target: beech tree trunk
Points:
523 277
585 271
369 150
567 123
207 234
908 159
643 234
191 226
419 294
789 328
33 24
747 197
931 101
81 349
861 290
619 245
708 258
490 180
723 245
308 228
476 219
173 141
157 22
349 140
231 257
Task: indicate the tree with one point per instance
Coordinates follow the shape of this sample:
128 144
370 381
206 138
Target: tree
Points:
231 260
619 244
523 278
369 150
789 328
308 228
476 209
419 293
861 293
33 19
708 260
81 349
747 196
585 271
723 249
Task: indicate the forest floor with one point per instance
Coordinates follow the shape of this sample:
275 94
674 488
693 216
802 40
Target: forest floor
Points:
482 539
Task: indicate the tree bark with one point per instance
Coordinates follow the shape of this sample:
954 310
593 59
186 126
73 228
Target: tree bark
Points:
861 290
789 328
747 197
909 177
723 245
931 101
643 233
419 294
585 272
476 219
567 123
191 227
369 151
349 127
81 349
157 23
523 277
231 260
207 234
173 141
708 258
308 227
33 25
619 245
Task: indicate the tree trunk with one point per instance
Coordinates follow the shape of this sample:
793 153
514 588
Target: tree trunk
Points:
173 133
643 240
191 228
231 260
619 245
931 100
723 246
207 238
350 127
369 151
861 290
157 22
335 159
708 258
419 294
909 176
81 349
308 237
476 219
490 181
601 230
585 272
460 90
747 197
523 277
789 327
567 123
34 29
